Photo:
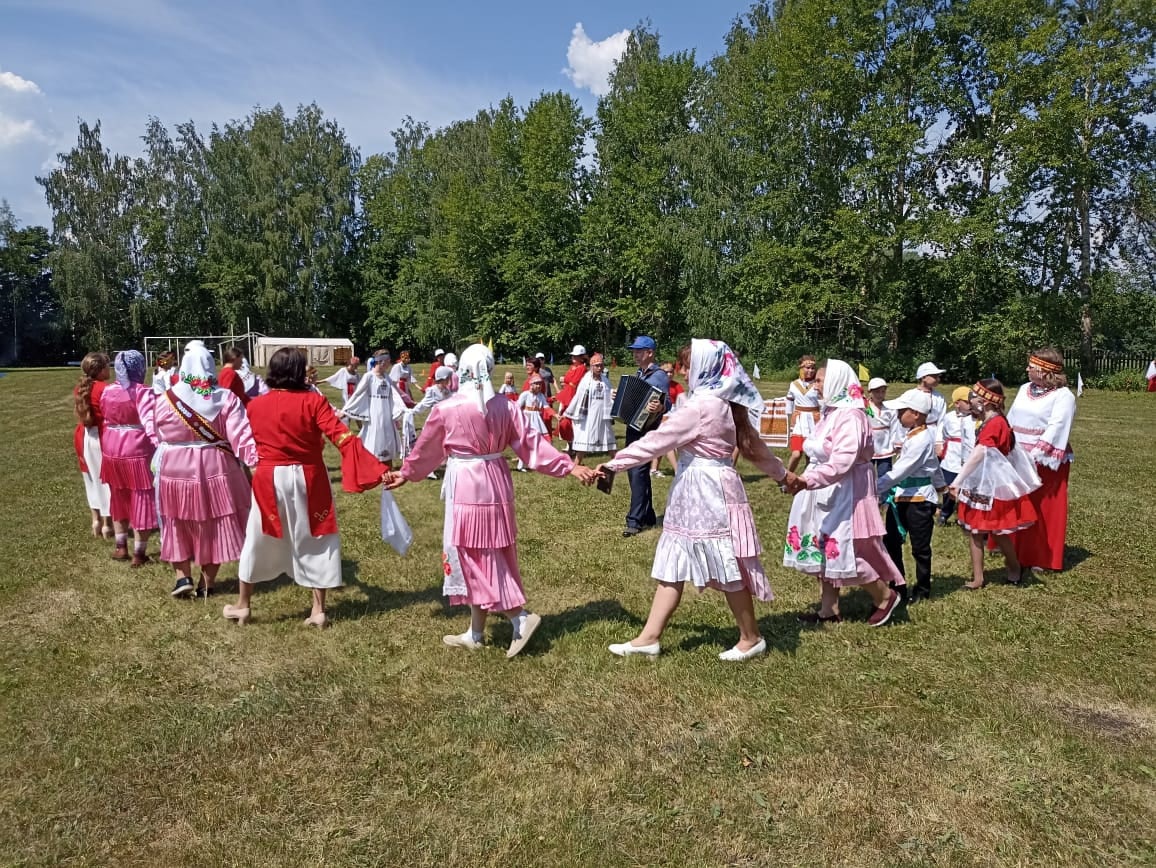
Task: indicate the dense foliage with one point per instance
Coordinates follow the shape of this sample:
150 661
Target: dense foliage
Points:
958 179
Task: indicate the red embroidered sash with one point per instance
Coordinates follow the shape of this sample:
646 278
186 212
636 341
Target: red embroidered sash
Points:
197 423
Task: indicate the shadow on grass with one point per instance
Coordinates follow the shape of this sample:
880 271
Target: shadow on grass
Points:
563 623
781 630
377 599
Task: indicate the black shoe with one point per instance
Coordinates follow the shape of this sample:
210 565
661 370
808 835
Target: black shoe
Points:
631 531
918 595
203 592
183 587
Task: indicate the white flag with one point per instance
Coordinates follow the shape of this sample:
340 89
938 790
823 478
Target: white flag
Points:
755 372
1079 384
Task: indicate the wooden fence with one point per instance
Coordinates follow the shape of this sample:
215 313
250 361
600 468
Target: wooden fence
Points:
1107 362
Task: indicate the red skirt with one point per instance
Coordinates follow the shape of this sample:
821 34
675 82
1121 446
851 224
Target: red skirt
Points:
1042 544
1004 517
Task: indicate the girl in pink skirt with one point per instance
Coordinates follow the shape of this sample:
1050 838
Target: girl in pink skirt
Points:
127 452
470 432
203 444
708 533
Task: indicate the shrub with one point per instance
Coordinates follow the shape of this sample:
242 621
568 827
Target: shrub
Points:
1121 381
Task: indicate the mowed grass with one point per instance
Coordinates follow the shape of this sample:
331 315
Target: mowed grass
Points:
1010 726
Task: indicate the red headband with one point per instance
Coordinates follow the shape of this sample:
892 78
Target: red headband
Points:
1045 365
988 395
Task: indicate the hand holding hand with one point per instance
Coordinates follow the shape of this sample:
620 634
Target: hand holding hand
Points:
584 474
793 483
392 480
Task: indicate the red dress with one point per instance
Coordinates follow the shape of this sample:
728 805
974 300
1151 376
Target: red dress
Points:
288 427
78 435
1005 516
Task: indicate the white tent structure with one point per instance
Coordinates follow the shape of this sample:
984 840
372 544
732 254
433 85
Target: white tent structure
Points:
321 352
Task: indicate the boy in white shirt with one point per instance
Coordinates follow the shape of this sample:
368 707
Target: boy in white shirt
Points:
911 489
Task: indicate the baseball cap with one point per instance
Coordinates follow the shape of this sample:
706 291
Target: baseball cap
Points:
443 373
928 369
539 355
963 393
912 399
876 383
439 352
643 342
578 350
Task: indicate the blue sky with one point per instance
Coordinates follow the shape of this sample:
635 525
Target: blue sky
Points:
366 64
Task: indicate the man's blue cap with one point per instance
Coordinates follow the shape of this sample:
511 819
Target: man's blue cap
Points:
642 342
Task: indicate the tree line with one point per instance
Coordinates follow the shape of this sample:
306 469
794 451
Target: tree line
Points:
891 180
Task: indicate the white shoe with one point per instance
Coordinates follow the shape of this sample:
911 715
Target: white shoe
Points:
462 640
625 649
734 654
528 627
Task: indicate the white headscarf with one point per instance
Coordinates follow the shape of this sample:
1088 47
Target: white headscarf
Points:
197 381
474 369
451 361
841 386
716 370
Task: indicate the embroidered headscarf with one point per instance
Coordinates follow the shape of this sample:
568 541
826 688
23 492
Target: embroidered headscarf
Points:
129 367
716 370
841 386
197 381
474 370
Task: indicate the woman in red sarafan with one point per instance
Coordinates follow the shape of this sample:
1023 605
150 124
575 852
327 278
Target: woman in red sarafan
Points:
292 525
86 439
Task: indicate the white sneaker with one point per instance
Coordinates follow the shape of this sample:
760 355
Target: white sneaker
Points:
528 627
462 640
625 649
734 654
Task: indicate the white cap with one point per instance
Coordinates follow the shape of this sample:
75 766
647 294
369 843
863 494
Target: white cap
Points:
539 355
578 350
876 383
928 369
443 373
912 399
439 352
450 360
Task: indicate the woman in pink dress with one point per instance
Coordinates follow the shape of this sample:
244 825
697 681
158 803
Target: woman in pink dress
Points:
835 532
708 533
470 432
203 438
127 452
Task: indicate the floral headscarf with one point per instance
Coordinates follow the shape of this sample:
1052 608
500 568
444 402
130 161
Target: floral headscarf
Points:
716 370
129 367
841 386
474 369
197 385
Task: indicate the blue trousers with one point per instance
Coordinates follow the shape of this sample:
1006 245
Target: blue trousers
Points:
641 500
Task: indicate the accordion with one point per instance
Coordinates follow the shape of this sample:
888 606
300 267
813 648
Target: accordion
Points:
630 401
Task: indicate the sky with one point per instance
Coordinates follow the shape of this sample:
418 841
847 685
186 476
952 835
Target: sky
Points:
366 64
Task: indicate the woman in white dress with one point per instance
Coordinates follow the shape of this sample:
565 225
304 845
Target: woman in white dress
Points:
372 403
590 412
708 534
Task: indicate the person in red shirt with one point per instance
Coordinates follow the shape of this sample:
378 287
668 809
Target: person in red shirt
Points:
579 363
86 439
674 391
439 355
292 526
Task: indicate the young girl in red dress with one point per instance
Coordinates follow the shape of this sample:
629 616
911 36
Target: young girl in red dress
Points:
993 486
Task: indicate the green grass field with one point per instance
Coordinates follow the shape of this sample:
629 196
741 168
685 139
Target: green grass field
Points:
1010 726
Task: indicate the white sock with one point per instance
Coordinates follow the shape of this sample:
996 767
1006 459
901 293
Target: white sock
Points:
518 622
122 540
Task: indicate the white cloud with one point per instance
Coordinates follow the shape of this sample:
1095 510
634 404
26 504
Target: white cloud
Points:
13 131
590 63
11 81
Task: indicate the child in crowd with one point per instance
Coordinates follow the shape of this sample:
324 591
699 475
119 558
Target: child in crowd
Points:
956 438
533 405
993 485
164 375
882 423
94 371
910 489
509 388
